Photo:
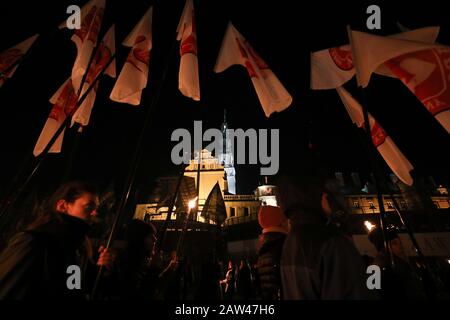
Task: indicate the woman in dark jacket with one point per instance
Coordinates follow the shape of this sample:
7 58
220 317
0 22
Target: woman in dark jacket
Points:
35 265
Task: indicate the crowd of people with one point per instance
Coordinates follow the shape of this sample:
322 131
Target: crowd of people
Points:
304 253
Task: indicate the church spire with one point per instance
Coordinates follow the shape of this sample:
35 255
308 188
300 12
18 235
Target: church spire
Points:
226 158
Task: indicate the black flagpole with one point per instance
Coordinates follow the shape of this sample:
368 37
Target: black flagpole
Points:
27 159
4 73
378 176
77 127
377 179
135 161
436 279
163 231
10 193
46 150
371 159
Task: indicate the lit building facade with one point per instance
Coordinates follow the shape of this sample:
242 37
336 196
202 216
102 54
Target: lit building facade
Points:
430 219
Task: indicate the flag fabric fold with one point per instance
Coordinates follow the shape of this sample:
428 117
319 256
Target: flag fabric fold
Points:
188 78
333 67
10 58
235 49
370 51
426 73
134 75
103 54
395 159
86 37
214 208
64 101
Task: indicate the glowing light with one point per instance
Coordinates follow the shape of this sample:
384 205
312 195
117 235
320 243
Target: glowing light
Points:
369 226
193 203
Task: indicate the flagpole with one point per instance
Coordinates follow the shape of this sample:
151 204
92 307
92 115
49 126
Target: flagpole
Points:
66 124
436 279
49 145
382 214
69 164
135 161
434 276
379 177
77 127
198 182
163 231
4 73
22 167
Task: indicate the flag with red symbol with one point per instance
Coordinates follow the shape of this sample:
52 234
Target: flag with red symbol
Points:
133 77
188 79
235 49
384 144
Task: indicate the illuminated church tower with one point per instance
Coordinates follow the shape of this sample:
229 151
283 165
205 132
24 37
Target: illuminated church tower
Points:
226 158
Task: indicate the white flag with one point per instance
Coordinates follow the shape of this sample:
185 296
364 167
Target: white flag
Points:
103 54
331 68
188 79
133 77
384 144
236 50
370 51
10 59
64 101
427 74
85 38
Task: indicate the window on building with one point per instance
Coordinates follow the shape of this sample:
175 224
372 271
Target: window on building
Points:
246 211
232 212
403 204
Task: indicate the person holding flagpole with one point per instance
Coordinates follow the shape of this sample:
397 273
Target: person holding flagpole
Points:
51 259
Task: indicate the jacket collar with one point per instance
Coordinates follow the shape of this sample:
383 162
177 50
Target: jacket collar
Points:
68 230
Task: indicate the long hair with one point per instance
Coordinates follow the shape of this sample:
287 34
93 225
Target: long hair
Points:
69 192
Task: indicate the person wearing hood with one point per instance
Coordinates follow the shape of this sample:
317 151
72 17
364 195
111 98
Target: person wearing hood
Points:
36 263
318 261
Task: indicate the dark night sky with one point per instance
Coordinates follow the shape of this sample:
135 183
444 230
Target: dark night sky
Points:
283 32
